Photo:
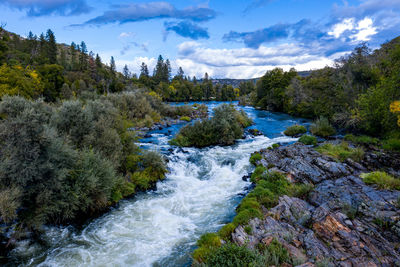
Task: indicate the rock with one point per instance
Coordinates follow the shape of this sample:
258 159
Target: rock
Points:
342 222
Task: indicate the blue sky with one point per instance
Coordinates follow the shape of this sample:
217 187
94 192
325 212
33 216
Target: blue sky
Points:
227 39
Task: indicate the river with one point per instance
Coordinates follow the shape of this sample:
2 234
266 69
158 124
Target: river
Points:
160 227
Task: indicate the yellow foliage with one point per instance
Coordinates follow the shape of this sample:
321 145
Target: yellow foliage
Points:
154 94
16 80
395 108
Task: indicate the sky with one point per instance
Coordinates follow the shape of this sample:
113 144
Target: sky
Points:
238 39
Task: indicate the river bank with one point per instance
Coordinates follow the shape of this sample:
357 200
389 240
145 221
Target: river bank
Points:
342 221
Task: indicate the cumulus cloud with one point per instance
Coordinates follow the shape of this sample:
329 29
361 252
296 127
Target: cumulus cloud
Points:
35 8
186 29
149 11
197 59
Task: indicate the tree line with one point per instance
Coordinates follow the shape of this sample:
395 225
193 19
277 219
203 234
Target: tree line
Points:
356 94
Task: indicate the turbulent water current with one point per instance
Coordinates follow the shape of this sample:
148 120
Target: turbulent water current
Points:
160 228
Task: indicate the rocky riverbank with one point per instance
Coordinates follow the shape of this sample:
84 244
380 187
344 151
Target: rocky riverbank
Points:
342 221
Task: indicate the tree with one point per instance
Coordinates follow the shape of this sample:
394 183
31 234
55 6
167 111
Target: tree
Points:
180 73
113 67
395 108
4 38
16 80
126 72
144 71
83 57
53 79
51 47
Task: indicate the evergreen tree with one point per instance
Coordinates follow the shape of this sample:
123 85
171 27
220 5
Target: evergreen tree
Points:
126 72
113 67
180 73
144 71
3 45
51 47
83 57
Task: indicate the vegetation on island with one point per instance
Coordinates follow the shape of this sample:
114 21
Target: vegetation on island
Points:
225 126
295 130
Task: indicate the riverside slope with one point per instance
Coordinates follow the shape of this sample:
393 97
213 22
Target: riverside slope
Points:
343 222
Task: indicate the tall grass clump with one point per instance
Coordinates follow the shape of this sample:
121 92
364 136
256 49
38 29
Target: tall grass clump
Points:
295 130
341 152
382 180
322 127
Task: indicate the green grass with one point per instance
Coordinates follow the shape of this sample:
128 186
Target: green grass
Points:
341 152
362 139
295 130
308 140
392 144
382 180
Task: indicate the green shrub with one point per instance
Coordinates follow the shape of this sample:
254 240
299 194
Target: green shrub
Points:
234 255
308 140
275 146
295 130
209 240
382 180
275 254
185 118
226 231
255 176
223 128
322 127
301 190
362 140
392 144
254 158
341 152
244 216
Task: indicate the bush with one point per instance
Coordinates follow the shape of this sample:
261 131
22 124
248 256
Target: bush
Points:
361 140
185 118
255 176
275 254
254 158
226 231
322 127
341 152
223 128
209 240
308 140
382 180
392 144
295 130
234 255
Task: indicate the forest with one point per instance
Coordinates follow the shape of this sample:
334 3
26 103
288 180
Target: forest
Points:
359 93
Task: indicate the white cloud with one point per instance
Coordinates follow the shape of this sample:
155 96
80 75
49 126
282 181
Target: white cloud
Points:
243 63
126 35
340 28
365 30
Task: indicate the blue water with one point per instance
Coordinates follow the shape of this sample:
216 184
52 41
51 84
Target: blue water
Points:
161 227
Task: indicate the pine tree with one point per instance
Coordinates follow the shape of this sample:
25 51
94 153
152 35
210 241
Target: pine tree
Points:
126 72
180 73
73 58
113 67
144 71
51 47
83 57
